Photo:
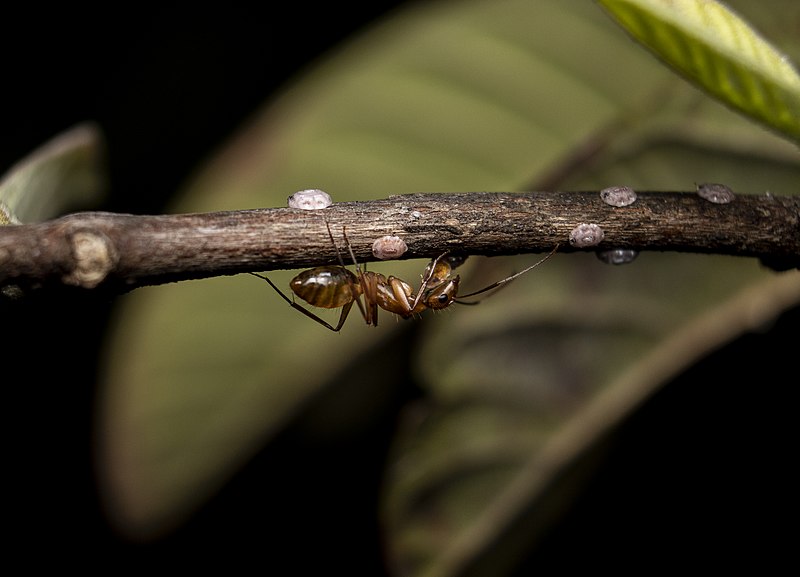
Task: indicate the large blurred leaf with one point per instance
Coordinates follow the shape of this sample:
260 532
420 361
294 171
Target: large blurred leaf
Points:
474 95
524 388
66 173
722 53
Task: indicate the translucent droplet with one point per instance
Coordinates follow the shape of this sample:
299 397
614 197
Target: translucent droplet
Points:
716 193
585 235
311 199
618 255
389 247
618 195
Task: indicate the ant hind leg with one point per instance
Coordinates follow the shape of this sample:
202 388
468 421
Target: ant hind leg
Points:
305 311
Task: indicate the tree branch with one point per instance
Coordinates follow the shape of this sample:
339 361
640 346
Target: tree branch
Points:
121 251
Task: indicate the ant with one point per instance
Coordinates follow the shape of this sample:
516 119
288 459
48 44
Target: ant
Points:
335 286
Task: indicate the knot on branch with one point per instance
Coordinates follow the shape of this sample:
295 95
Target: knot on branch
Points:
93 257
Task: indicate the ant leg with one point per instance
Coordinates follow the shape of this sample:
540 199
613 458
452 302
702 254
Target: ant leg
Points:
507 280
308 313
369 310
342 317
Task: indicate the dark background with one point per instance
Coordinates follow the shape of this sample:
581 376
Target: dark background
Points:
703 470
167 84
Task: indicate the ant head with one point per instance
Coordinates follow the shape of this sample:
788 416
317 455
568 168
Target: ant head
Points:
442 294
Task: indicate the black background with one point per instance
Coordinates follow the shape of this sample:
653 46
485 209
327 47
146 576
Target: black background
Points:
703 471
167 84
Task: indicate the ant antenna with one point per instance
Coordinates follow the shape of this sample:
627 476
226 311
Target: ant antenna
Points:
501 283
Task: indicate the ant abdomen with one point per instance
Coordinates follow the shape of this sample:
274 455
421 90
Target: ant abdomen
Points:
327 287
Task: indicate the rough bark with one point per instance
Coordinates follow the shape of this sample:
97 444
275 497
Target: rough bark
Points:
122 251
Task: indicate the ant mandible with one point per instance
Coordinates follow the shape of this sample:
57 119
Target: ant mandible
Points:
335 286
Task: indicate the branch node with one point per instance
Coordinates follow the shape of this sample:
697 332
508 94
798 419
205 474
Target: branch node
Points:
93 255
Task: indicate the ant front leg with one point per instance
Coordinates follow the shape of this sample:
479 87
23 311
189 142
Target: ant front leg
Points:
342 317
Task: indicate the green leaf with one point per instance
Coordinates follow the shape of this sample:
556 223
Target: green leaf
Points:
63 174
718 51
523 390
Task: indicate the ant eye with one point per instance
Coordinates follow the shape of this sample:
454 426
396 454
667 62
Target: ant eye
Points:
443 298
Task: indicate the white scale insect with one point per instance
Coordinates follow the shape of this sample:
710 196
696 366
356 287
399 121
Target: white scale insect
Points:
310 199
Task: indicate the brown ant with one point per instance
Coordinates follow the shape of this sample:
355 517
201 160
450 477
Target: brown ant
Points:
335 286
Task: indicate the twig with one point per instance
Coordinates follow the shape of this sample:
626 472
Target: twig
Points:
121 251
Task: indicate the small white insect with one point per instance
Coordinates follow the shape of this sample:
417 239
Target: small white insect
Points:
618 195
389 247
716 193
585 235
310 199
